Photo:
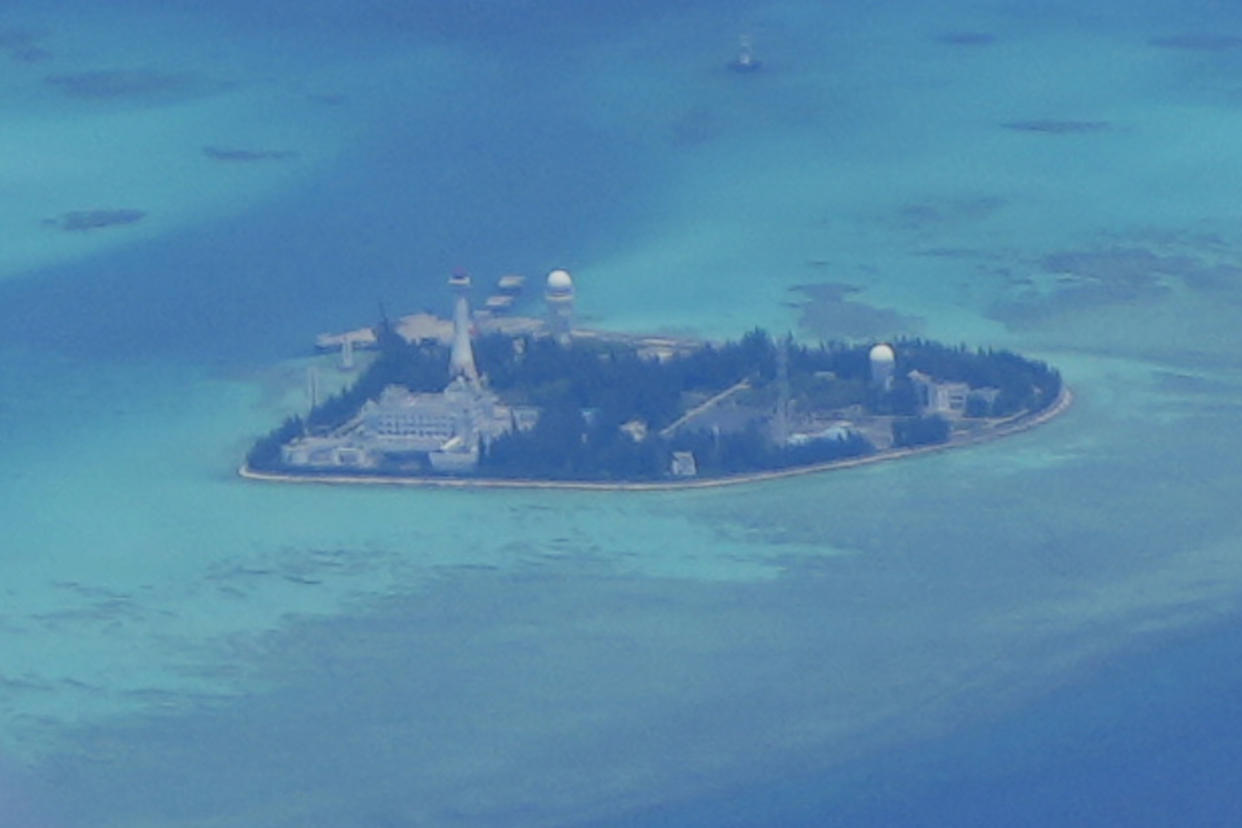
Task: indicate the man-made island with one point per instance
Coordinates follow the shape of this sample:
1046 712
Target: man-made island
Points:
490 399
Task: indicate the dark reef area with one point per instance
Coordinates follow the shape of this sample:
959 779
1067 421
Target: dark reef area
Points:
1198 42
966 38
139 85
23 45
1057 127
81 220
244 155
828 310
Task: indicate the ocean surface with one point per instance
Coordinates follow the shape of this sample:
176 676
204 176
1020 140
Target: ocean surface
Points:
1043 630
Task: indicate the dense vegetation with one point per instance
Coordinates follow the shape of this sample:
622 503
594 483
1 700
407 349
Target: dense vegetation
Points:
920 431
588 390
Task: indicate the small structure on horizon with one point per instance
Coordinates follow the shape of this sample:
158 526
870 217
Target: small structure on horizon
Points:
745 62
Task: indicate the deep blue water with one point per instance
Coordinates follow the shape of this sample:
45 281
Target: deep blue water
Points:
1146 739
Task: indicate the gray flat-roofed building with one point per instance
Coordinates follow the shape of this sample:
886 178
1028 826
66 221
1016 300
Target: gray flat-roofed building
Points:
683 465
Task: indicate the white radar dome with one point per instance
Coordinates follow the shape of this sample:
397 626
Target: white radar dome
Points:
882 353
559 281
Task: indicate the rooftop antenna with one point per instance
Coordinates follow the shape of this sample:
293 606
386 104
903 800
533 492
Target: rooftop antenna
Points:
312 386
781 426
384 325
312 396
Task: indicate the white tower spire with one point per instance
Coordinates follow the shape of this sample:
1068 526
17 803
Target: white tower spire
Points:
461 357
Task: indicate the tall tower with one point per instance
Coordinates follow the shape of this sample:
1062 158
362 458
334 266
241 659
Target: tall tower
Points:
312 395
461 357
559 294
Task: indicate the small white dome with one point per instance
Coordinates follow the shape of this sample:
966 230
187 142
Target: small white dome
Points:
882 353
559 281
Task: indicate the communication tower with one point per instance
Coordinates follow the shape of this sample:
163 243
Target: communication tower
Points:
781 424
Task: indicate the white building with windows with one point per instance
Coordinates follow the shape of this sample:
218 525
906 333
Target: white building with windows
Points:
948 398
447 430
404 421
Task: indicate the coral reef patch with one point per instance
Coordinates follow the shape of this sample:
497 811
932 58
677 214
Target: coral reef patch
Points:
829 312
231 154
937 212
966 38
327 98
1057 127
135 84
1198 42
82 220
23 45
1077 281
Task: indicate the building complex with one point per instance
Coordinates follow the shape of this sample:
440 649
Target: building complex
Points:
448 432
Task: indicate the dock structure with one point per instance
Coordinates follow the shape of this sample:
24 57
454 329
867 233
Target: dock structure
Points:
357 338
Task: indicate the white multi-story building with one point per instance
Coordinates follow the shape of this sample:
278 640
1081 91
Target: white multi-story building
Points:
448 428
401 420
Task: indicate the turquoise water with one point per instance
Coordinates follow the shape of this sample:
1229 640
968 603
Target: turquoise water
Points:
1036 631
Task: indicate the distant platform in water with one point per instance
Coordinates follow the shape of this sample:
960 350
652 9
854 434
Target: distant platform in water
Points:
744 65
745 62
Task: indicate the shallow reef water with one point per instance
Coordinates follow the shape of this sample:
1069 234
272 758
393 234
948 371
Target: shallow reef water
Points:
1041 628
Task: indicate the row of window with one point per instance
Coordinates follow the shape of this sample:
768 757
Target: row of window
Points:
420 426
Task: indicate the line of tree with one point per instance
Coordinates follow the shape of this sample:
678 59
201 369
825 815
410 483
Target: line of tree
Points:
419 366
920 431
264 455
